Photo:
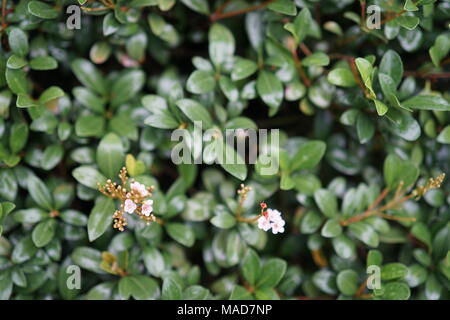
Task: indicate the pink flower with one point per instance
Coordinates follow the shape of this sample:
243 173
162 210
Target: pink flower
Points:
130 206
147 207
139 188
278 226
264 223
274 215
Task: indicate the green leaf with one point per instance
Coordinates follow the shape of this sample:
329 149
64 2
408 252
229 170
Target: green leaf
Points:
440 49
433 289
416 275
195 112
139 287
231 161
16 62
43 63
18 41
344 246
52 156
39 192
89 76
426 102
200 82
365 233
222 219
310 222
221 44
240 293
300 27
341 77
381 107
347 282
44 232
171 290
403 124
271 273
444 135
327 202
100 218
90 126
181 233
50 94
18 137
391 64
251 267
89 99
308 155
23 250
243 68
397 170
42 10
200 6
110 25
6 284
154 262
365 128
196 292
73 217
396 291
269 89
17 80
365 69
319 59
374 257
421 232
331 229
408 22
88 176
393 271
228 88
126 86
87 258
110 155
283 6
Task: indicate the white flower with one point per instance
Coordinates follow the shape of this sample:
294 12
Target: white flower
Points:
271 219
274 215
147 207
264 223
278 226
130 206
139 188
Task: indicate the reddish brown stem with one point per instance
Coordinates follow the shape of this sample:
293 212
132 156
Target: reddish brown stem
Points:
392 17
218 15
305 49
4 3
432 76
301 71
363 12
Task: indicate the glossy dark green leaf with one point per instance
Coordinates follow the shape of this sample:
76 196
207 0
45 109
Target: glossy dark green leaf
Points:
100 218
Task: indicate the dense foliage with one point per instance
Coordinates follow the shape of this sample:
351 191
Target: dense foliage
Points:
87 178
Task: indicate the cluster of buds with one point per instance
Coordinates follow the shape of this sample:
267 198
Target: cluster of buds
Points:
432 183
242 192
270 219
133 201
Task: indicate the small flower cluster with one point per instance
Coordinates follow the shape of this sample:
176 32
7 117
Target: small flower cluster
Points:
270 219
134 200
432 183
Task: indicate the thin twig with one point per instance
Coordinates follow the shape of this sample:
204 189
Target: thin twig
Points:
220 15
4 3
